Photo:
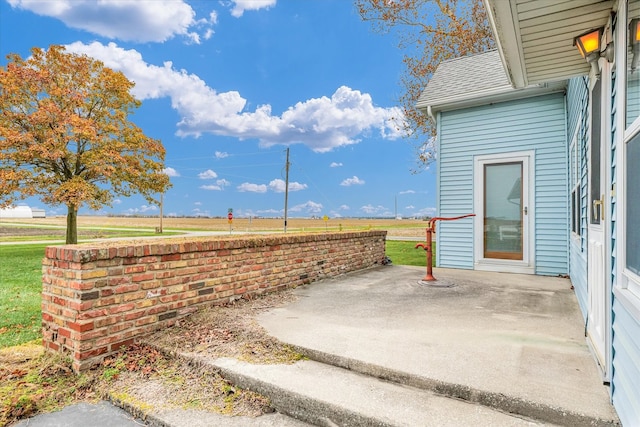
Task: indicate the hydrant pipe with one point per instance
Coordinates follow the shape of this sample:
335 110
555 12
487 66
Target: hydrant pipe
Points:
428 247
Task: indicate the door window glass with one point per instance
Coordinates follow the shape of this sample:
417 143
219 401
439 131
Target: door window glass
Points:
596 193
503 211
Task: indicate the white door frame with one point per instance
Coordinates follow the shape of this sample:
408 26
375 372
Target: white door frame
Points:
527 264
598 287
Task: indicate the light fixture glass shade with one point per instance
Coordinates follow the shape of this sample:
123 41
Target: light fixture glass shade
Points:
588 42
634 32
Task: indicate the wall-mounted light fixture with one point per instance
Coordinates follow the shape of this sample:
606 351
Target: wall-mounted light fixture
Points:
634 42
589 46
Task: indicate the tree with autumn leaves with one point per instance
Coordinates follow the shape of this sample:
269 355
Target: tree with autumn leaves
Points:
66 137
429 32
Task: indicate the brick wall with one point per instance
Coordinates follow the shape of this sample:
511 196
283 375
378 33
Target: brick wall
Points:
97 298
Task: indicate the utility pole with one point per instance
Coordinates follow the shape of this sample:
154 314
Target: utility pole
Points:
396 204
286 190
161 208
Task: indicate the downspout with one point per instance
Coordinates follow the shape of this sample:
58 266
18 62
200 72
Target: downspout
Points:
569 188
438 180
430 113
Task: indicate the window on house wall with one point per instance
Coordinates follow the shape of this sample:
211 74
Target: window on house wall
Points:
633 64
574 182
633 205
631 152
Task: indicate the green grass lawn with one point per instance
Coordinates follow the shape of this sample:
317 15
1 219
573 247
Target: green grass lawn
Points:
405 253
20 289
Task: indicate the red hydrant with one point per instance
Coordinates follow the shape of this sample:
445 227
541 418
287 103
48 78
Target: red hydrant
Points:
431 229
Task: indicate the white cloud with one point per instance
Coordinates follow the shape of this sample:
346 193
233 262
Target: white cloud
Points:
344 207
270 211
130 20
239 6
117 201
197 203
410 207
279 186
170 172
198 212
211 187
208 174
308 207
375 210
425 212
335 165
221 154
407 192
223 182
142 209
213 17
252 188
427 151
321 123
352 181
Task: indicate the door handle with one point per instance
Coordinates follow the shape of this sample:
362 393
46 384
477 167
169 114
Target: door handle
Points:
598 209
525 210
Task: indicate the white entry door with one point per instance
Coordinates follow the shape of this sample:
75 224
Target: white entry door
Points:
503 214
597 316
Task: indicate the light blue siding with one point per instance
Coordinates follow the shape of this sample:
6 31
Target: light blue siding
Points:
578 276
578 120
626 327
626 365
537 124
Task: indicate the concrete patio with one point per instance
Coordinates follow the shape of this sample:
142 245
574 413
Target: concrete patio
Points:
509 342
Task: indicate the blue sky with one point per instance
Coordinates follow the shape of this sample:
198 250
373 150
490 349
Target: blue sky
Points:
227 86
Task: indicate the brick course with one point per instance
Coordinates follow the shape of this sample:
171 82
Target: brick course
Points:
97 298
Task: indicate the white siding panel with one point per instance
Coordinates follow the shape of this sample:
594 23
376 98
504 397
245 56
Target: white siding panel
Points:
529 124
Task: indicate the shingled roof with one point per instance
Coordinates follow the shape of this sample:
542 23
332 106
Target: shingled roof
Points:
465 78
474 80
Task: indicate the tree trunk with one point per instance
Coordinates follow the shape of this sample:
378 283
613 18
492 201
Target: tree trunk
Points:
72 225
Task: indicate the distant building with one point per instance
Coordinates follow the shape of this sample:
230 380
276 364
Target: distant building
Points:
38 213
21 212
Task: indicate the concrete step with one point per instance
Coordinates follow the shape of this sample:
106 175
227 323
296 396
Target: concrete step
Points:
326 395
514 405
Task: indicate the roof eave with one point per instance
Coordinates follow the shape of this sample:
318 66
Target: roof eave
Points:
507 41
526 30
501 94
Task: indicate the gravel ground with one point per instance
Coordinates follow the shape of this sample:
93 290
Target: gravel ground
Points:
148 376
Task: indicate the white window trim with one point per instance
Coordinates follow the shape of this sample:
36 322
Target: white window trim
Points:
627 286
